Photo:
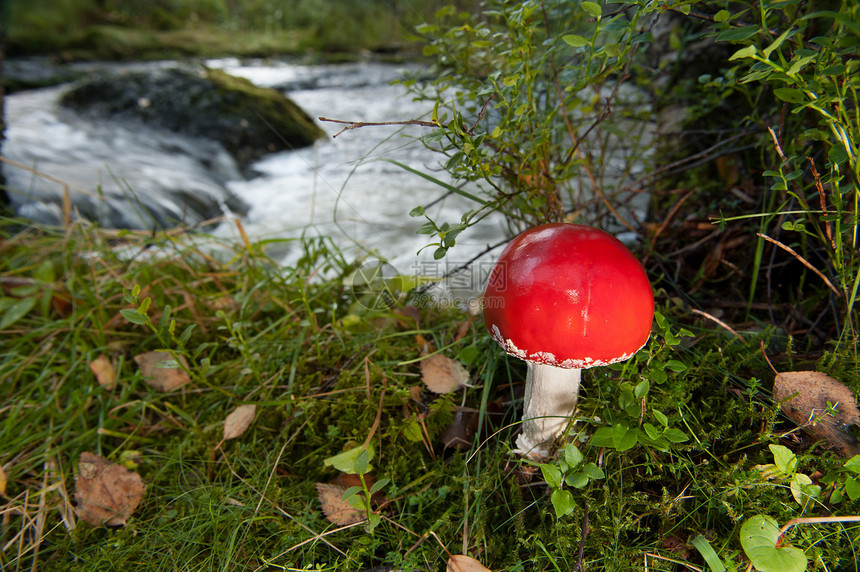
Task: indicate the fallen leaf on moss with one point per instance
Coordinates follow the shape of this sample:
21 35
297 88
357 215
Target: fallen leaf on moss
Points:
811 391
161 378
461 563
104 371
238 421
442 374
107 493
460 432
336 510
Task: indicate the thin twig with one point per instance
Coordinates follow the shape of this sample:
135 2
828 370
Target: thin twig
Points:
802 260
817 520
672 212
583 536
821 199
718 321
356 124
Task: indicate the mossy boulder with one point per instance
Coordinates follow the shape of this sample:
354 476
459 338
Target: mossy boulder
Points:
248 121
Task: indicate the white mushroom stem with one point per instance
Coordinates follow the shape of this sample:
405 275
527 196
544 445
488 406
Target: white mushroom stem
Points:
550 400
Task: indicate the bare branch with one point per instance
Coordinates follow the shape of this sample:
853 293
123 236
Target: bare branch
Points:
356 124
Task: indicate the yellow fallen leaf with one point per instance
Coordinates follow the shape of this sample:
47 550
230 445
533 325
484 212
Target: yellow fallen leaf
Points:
104 371
2 481
461 563
161 378
107 493
238 421
441 374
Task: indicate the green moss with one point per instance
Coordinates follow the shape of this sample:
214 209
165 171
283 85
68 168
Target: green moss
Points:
272 336
277 119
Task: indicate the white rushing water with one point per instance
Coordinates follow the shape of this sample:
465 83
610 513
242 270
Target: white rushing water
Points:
342 187
345 187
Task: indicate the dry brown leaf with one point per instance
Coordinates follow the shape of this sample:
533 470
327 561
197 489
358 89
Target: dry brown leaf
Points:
104 371
461 563
808 408
161 378
442 374
107 493
460 432
238 421
335 509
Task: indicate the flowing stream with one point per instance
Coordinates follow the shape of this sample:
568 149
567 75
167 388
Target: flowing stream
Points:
345 188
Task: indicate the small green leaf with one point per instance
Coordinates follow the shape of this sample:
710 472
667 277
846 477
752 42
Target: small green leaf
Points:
783 458
675 435
593 9
362 462
350 492
612 50
676 366
572 455
593 471
852 487
426 228
652 432
575 40
759 536
551 474
742 53
836 497
417 211
346 462
776 43
660 417
356 501
722 16
602 438
790 95
412 431
17 310
379 485
562 502
738 34
576 480
853 464
133 316
798 65
186 333
623 437
802 489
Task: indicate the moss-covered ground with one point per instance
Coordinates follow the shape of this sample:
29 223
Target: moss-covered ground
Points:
326 375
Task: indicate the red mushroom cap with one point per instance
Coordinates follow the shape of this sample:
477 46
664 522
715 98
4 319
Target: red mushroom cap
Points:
568 295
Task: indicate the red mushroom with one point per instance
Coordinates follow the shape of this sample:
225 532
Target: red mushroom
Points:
565 297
